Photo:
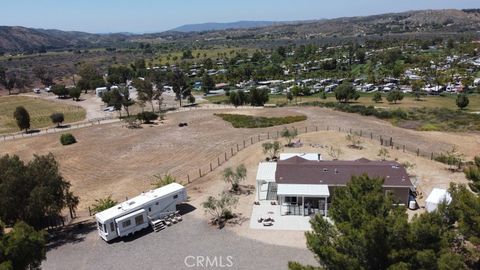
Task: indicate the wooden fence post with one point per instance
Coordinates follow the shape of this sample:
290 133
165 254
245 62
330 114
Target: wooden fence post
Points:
200 172
306 129
218 159
316 128
431 156
225 156
231 150
237 146
418 152
328 128
391 142
381 140
211 169
371 135
404 148
251 140
89 211
268 135
258 137
188 178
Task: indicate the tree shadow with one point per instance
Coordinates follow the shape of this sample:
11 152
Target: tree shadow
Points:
74 233
63 126
33 131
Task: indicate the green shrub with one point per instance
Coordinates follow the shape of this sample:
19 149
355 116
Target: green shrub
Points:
147 117
67 139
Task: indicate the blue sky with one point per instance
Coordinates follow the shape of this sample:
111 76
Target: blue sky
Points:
138 16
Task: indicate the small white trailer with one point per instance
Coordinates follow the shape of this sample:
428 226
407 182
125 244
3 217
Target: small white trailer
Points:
148 209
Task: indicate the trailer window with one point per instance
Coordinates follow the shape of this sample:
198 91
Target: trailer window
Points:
175 196
100 226
126 223
139 220
112 226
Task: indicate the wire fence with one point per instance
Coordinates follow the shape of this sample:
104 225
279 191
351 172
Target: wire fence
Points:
63 128
275 134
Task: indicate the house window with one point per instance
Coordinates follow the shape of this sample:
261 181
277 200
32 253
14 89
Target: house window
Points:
156 203
112 227
139 220
149 209
126 223
175 196
100 226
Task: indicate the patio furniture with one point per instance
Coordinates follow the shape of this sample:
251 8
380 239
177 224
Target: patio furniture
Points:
260 220
267 224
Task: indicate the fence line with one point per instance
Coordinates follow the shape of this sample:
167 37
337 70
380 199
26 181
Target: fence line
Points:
274 134
108 120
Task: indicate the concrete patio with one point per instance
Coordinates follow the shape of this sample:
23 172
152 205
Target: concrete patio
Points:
267 210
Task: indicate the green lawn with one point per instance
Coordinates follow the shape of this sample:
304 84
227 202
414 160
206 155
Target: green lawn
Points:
366 99
247 121
39 110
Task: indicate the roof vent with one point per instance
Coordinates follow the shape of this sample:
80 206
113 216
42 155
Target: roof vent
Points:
325 170
336 171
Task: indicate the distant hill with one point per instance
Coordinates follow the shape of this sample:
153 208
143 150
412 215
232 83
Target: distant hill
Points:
412 23
16 38
224 26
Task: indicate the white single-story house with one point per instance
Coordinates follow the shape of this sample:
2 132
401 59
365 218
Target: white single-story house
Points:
437 197
304 187
307 156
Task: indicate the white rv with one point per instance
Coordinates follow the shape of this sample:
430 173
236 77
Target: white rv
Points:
149 208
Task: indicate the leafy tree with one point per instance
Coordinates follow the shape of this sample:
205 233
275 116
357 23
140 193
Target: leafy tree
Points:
180 87
22 117
346 92
60 90
467 83
238 98
42 74
103 204
220 208
472 173
126 101
191 99
30 192
72 202
323 95
57 118
394 96
258 97
369 232
272 149
462 101
75 93
289 135
115 99
163 181
234 177
295 91
90 78
207 83
417 89
22 248
145 91
377 97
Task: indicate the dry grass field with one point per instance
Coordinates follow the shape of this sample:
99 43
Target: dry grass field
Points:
113 160
39 110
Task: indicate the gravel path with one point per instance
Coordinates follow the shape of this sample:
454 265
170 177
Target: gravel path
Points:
173 248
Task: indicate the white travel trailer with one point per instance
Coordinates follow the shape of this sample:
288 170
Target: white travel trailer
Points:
149 208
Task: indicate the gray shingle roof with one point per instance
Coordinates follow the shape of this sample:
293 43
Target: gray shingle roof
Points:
297 170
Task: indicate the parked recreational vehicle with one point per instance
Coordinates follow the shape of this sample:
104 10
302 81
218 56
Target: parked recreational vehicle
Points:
149 208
